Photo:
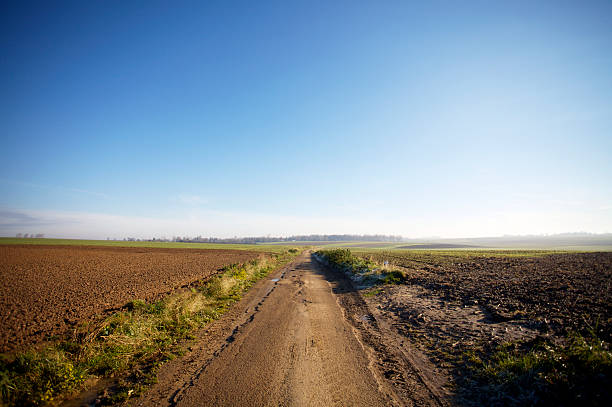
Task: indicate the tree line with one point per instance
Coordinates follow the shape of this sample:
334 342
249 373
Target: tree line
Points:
297 238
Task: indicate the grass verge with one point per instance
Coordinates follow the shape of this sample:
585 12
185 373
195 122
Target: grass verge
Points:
130 345
539 372
363 270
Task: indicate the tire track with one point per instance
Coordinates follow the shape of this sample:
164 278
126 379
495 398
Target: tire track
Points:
176 397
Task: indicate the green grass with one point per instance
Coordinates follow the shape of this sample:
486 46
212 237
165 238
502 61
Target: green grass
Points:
445 254
373 292
129 345
578 372
364 245
300 243
270 248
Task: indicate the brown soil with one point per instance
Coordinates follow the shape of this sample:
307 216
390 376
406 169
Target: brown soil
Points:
46 290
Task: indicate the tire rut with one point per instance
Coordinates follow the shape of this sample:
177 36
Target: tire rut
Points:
176 397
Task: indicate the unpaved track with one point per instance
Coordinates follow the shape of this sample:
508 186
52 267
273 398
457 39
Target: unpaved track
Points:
288 342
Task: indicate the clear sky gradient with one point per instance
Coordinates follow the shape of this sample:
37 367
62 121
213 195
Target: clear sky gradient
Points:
436 118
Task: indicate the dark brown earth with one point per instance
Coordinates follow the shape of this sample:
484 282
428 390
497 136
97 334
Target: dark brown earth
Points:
553 292
45 290
450 306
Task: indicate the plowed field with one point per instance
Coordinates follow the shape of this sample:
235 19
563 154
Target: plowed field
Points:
518 315
45 290
555 292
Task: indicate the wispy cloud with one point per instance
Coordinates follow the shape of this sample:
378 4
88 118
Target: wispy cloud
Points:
87 192
17 219
549 200
57 188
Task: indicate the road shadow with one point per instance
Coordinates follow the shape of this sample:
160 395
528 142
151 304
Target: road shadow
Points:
340 282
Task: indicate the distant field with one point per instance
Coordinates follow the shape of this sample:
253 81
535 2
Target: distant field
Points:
342 244
373 245
442 254
438 246
298 243
441 246
271 248
277 247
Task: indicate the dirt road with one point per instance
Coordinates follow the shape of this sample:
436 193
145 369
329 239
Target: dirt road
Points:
302 338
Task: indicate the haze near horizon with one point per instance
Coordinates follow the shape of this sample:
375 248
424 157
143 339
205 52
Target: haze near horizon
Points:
294 118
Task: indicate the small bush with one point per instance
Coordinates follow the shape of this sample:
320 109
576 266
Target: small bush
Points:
216 287
394 277
142 307
368 270
338 257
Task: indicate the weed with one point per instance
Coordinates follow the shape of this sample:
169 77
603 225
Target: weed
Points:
394 277
543 373
372 293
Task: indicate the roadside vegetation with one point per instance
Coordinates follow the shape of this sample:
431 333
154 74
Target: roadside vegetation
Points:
577 371
362 270
128 347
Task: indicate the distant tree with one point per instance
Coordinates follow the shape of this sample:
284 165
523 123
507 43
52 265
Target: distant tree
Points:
19 235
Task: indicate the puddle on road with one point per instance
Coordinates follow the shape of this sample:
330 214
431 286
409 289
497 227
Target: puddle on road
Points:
275 279
89 397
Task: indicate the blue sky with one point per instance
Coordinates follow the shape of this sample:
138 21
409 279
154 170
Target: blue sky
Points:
438 118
